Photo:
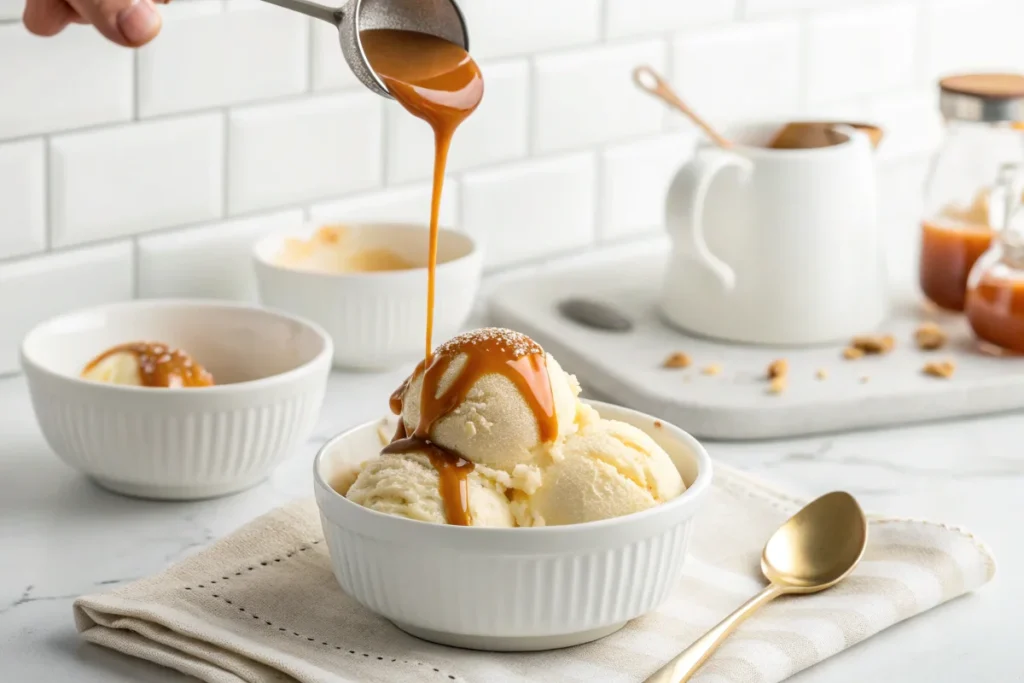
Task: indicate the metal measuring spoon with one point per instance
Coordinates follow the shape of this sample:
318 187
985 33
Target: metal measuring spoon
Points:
441 18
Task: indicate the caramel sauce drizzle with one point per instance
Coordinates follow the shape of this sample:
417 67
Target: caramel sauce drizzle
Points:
509 354
439 82
159 365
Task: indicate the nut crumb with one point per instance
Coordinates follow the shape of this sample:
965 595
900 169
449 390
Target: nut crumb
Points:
865 379
822 373
943 369
930 337
777 385
713 369
778 368
874 344
678 359
852 353
657 424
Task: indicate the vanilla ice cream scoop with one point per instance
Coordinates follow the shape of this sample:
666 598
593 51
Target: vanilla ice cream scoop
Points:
503 401
148 364
408 485
606 470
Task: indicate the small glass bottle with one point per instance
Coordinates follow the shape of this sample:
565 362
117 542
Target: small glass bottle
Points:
982 133
995 287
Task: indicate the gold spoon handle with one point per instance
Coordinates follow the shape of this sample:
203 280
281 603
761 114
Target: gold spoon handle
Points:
682 667
647 79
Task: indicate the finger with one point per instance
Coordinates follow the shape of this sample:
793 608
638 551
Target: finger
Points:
47 17
126 22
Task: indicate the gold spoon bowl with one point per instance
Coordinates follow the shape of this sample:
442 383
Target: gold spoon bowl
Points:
815 549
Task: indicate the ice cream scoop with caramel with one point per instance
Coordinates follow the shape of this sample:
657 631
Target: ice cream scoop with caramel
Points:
492 433
147 364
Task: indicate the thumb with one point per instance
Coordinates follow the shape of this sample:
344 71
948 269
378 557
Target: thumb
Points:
126 22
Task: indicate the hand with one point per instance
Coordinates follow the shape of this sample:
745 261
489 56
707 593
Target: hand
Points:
130 23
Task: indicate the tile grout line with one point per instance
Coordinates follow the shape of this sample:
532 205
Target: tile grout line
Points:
47 198
225 177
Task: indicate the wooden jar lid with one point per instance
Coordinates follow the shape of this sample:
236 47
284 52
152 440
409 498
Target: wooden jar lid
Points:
986 98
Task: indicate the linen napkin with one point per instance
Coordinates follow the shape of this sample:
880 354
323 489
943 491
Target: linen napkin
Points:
262 605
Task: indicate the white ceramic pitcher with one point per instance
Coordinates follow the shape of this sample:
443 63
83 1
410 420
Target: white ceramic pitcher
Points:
776 246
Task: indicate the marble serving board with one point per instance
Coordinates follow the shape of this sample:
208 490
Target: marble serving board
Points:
736 404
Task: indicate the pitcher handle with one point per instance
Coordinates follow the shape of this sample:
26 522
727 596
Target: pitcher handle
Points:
684 206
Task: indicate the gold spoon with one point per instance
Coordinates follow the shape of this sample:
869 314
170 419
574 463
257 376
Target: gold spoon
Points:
648 79
815 549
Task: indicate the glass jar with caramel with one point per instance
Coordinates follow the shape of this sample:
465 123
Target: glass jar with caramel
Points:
995 287
984 131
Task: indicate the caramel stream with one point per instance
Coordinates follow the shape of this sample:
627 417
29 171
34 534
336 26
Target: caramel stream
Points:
438 82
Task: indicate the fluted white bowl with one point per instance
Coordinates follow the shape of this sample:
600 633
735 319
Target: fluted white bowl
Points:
510 589
377 319
271 372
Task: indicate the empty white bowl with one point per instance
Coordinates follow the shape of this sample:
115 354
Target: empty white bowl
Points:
377 319
271 372
510 589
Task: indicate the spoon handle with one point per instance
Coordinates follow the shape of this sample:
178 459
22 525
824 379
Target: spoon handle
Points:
682 667
649 80
312 9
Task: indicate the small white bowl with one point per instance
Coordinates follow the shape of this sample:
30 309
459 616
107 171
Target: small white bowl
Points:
510 589
179 444
377 319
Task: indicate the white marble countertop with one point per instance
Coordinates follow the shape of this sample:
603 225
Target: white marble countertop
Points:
61 536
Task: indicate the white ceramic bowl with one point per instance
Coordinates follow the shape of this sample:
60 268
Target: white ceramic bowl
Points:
377 320
510 589
271 371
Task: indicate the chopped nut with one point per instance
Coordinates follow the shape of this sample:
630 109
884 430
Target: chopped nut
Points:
778 384
874 343
942 369
657 424
930 337
822 373
677 360
713 369
778 368
852 353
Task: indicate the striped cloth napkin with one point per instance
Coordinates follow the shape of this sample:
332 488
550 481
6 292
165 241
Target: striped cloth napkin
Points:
262 605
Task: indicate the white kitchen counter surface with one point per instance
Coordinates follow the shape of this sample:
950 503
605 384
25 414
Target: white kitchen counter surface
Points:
61 536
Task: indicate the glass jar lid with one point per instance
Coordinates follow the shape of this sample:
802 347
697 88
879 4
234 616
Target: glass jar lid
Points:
983 98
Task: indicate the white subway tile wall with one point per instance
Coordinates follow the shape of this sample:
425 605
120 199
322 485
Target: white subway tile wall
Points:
303 150
528 210
22 197
478 141
150 173
212 260
210 57
33 290
111 182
